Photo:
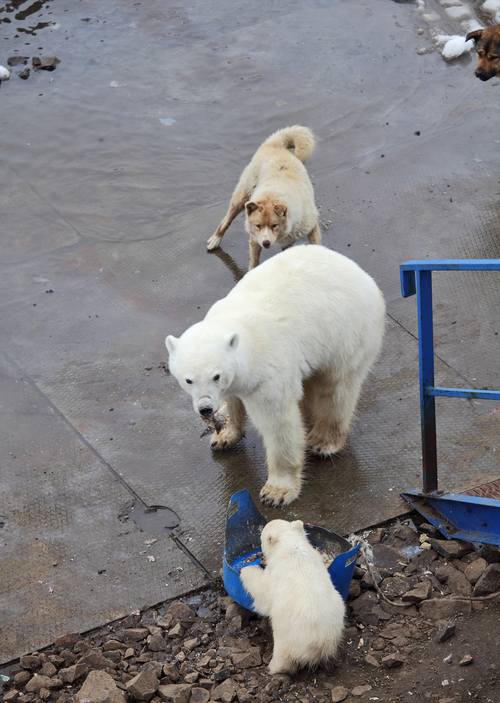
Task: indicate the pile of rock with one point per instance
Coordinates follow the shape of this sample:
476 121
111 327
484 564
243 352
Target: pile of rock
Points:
206 648
428 574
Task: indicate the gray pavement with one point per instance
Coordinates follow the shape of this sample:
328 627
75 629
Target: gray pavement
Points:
115 169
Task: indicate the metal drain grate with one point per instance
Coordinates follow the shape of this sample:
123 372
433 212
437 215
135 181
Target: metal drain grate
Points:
486 490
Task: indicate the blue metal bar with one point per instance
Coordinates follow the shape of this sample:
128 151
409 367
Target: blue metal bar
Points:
436 391
452 265
469 518
426 375
409 268
408 285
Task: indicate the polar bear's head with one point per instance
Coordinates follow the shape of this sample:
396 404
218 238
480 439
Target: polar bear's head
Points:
204 362
279 534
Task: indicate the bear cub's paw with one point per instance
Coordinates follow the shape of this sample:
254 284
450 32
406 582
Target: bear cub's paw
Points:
281 665
248 575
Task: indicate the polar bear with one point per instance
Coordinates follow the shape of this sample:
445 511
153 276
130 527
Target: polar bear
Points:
290 346
295 591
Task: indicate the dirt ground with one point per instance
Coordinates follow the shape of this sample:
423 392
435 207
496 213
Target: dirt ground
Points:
431 646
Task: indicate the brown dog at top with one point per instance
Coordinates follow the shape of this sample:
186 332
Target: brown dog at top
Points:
277 195
487 43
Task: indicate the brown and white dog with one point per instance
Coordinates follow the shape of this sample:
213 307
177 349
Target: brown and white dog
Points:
277 195
487 43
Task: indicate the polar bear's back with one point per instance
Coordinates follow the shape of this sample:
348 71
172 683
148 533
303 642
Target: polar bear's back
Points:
299 271
313 295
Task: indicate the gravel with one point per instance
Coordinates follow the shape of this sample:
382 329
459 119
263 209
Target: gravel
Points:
206 648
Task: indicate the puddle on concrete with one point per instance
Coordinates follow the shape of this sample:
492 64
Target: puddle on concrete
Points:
20 14
153 519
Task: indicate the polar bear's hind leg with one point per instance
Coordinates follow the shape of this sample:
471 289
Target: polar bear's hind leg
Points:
330 404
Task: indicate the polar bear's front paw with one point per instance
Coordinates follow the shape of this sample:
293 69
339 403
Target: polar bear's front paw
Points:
272 494
226 438
214 242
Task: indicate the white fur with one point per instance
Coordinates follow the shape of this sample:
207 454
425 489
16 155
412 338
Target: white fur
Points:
291 343
295 591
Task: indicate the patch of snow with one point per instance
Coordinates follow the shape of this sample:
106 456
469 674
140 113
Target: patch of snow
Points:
471 25
167 121
4 73
453 45
457 13
492 7
431 17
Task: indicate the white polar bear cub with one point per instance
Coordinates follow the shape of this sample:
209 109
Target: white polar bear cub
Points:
295 591
291 344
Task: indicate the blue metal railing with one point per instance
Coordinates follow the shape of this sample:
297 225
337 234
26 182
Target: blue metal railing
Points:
416 277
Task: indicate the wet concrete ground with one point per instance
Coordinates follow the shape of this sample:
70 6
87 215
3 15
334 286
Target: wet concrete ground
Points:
115 169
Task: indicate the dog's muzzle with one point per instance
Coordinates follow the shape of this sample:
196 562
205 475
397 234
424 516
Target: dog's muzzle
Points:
483 75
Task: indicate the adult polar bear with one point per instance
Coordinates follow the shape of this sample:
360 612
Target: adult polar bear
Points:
291 345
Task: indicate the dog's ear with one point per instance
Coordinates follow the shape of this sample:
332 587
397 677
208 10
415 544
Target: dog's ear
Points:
171 343
251 207
476 35
297 525
280 209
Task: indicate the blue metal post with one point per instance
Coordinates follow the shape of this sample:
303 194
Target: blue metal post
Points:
426 371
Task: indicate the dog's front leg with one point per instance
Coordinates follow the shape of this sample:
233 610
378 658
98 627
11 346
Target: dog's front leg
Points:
237 203
314 235
254 254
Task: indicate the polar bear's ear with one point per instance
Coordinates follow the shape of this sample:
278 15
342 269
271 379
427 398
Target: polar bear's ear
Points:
233 340
272 540
297 525
171 343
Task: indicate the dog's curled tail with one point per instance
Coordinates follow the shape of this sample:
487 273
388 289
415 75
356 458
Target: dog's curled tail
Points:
298 139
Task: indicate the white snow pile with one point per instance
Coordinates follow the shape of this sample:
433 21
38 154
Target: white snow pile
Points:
492 7
4 73
453 45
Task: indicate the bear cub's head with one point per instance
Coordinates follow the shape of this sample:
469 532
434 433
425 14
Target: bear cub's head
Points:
283 536
203 361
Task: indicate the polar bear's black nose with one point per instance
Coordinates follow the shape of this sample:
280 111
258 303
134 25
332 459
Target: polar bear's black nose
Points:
266 243
206 411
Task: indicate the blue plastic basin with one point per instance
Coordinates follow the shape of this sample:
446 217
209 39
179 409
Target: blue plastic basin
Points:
243 527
